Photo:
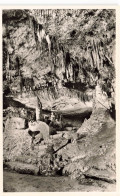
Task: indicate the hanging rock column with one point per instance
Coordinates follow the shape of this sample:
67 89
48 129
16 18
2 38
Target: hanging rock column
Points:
38 109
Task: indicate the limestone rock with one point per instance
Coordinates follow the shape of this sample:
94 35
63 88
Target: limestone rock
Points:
16 143
15 123
40 126
96 155
23 168
108 176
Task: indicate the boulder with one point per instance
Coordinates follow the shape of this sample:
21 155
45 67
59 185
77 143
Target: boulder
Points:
16 143
23 168
95 157
15 123
105 175
40 126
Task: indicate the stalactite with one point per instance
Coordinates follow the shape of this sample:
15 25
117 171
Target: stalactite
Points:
49 43
8 67
8 62
38 109
21 85
39 32
18 66
95 44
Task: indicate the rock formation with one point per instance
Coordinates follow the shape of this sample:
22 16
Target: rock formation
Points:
65 58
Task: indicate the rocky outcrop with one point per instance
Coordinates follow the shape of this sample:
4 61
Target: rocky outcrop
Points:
98 135
89 153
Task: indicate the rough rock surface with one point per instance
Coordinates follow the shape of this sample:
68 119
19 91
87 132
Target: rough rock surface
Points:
70 65
89 154
96 154
73 63
40 126
15 123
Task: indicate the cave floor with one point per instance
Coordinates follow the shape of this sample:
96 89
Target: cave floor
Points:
15 182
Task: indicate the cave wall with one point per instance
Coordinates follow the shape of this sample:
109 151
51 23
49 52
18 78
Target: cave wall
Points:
59 52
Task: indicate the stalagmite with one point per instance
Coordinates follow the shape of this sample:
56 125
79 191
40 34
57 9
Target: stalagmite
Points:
38 109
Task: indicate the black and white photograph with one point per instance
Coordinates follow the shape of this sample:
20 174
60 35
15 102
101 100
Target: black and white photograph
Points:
59 92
